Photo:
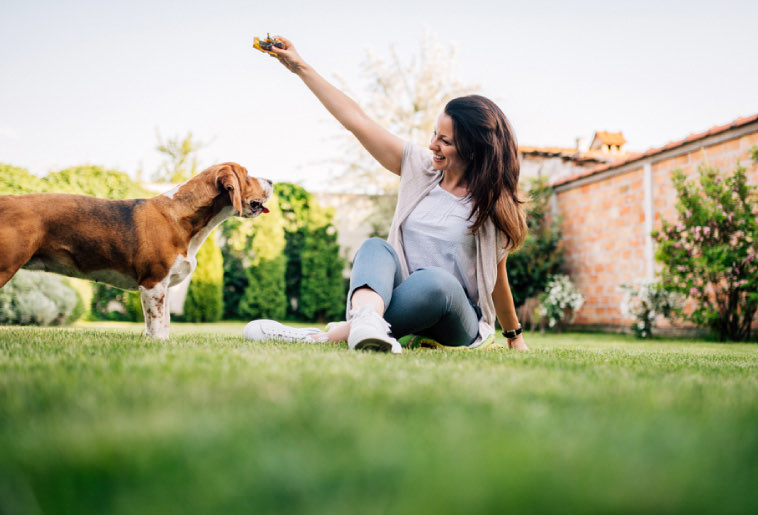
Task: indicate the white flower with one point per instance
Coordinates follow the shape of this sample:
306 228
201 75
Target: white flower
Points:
644 300
561 300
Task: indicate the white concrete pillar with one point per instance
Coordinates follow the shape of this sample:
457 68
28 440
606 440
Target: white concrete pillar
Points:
647 206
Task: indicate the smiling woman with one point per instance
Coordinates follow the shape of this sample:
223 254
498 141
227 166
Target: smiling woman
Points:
445 280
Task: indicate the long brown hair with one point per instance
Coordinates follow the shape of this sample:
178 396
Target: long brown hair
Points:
484 138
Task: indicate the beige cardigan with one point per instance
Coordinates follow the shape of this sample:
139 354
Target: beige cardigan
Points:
417 179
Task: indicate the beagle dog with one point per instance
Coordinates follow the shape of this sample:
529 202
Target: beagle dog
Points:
140 244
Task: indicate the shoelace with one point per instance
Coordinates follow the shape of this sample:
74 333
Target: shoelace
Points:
366 314
292 332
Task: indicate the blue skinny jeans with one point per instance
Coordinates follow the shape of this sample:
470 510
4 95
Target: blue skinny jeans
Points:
430 302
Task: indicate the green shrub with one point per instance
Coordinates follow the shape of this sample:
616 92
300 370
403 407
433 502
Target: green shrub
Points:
264 296
645 300
235 281
83 291
295 203
322 288
17 181
204 302
108 303
36 298
133 305
531 267
711 252
314 284
95 181
560 302
258 246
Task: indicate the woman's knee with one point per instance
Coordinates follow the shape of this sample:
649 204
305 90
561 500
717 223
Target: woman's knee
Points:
436 282
374 244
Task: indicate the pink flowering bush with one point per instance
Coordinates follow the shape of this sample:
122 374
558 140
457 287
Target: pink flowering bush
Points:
710 253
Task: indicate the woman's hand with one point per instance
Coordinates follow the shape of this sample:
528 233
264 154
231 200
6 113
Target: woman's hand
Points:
288 56
384 146
517 343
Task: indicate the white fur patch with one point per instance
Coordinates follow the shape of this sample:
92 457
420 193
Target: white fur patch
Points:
198 239
155 308
170 193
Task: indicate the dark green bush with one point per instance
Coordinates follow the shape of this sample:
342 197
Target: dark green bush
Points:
315 287
257 245
531 267
322 288
264 296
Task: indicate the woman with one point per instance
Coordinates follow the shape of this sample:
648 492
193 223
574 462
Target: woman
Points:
441 274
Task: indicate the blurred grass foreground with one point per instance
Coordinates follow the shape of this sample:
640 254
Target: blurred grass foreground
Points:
101 420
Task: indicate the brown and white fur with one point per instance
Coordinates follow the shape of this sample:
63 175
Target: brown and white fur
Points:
141 244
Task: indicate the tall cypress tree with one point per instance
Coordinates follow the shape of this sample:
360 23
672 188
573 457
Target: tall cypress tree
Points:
315 286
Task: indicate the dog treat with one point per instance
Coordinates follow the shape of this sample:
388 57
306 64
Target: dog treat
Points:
265 45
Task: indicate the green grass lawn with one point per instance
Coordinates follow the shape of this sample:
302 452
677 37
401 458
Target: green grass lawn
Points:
97 419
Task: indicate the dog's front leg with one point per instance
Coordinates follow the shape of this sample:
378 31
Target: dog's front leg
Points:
155 307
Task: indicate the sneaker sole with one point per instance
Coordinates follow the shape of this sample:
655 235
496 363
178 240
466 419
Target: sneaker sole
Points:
374 344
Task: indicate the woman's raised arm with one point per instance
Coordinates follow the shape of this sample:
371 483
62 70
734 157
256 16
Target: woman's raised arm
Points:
384 146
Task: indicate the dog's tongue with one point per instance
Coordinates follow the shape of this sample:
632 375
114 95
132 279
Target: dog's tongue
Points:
265 209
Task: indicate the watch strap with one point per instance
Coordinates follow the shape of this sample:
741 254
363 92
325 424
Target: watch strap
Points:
512 333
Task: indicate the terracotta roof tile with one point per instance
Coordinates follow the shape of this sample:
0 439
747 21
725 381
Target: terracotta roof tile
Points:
610 138
570 153
739 122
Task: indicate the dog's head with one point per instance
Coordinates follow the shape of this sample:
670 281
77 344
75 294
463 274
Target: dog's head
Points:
247 194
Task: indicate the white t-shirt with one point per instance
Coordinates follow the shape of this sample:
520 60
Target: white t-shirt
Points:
436 233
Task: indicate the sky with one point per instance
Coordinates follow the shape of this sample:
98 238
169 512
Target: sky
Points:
95 82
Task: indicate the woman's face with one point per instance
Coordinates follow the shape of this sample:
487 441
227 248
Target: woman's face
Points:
444 154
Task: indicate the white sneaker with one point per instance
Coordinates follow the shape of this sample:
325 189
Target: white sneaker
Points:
369 331
266 330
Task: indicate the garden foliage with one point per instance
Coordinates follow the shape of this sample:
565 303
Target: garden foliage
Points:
710 253
17 181
322 288
204 302
645 300
285 264
95 181
315 285
37 298
531 267
258 246
560 301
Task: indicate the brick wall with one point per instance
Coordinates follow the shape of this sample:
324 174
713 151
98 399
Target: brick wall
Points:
604 214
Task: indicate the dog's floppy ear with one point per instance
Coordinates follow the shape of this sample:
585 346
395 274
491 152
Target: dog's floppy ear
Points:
228 180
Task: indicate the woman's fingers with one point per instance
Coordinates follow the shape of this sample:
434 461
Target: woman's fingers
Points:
287 42
517 343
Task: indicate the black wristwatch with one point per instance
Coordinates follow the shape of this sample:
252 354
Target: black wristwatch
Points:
513 332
